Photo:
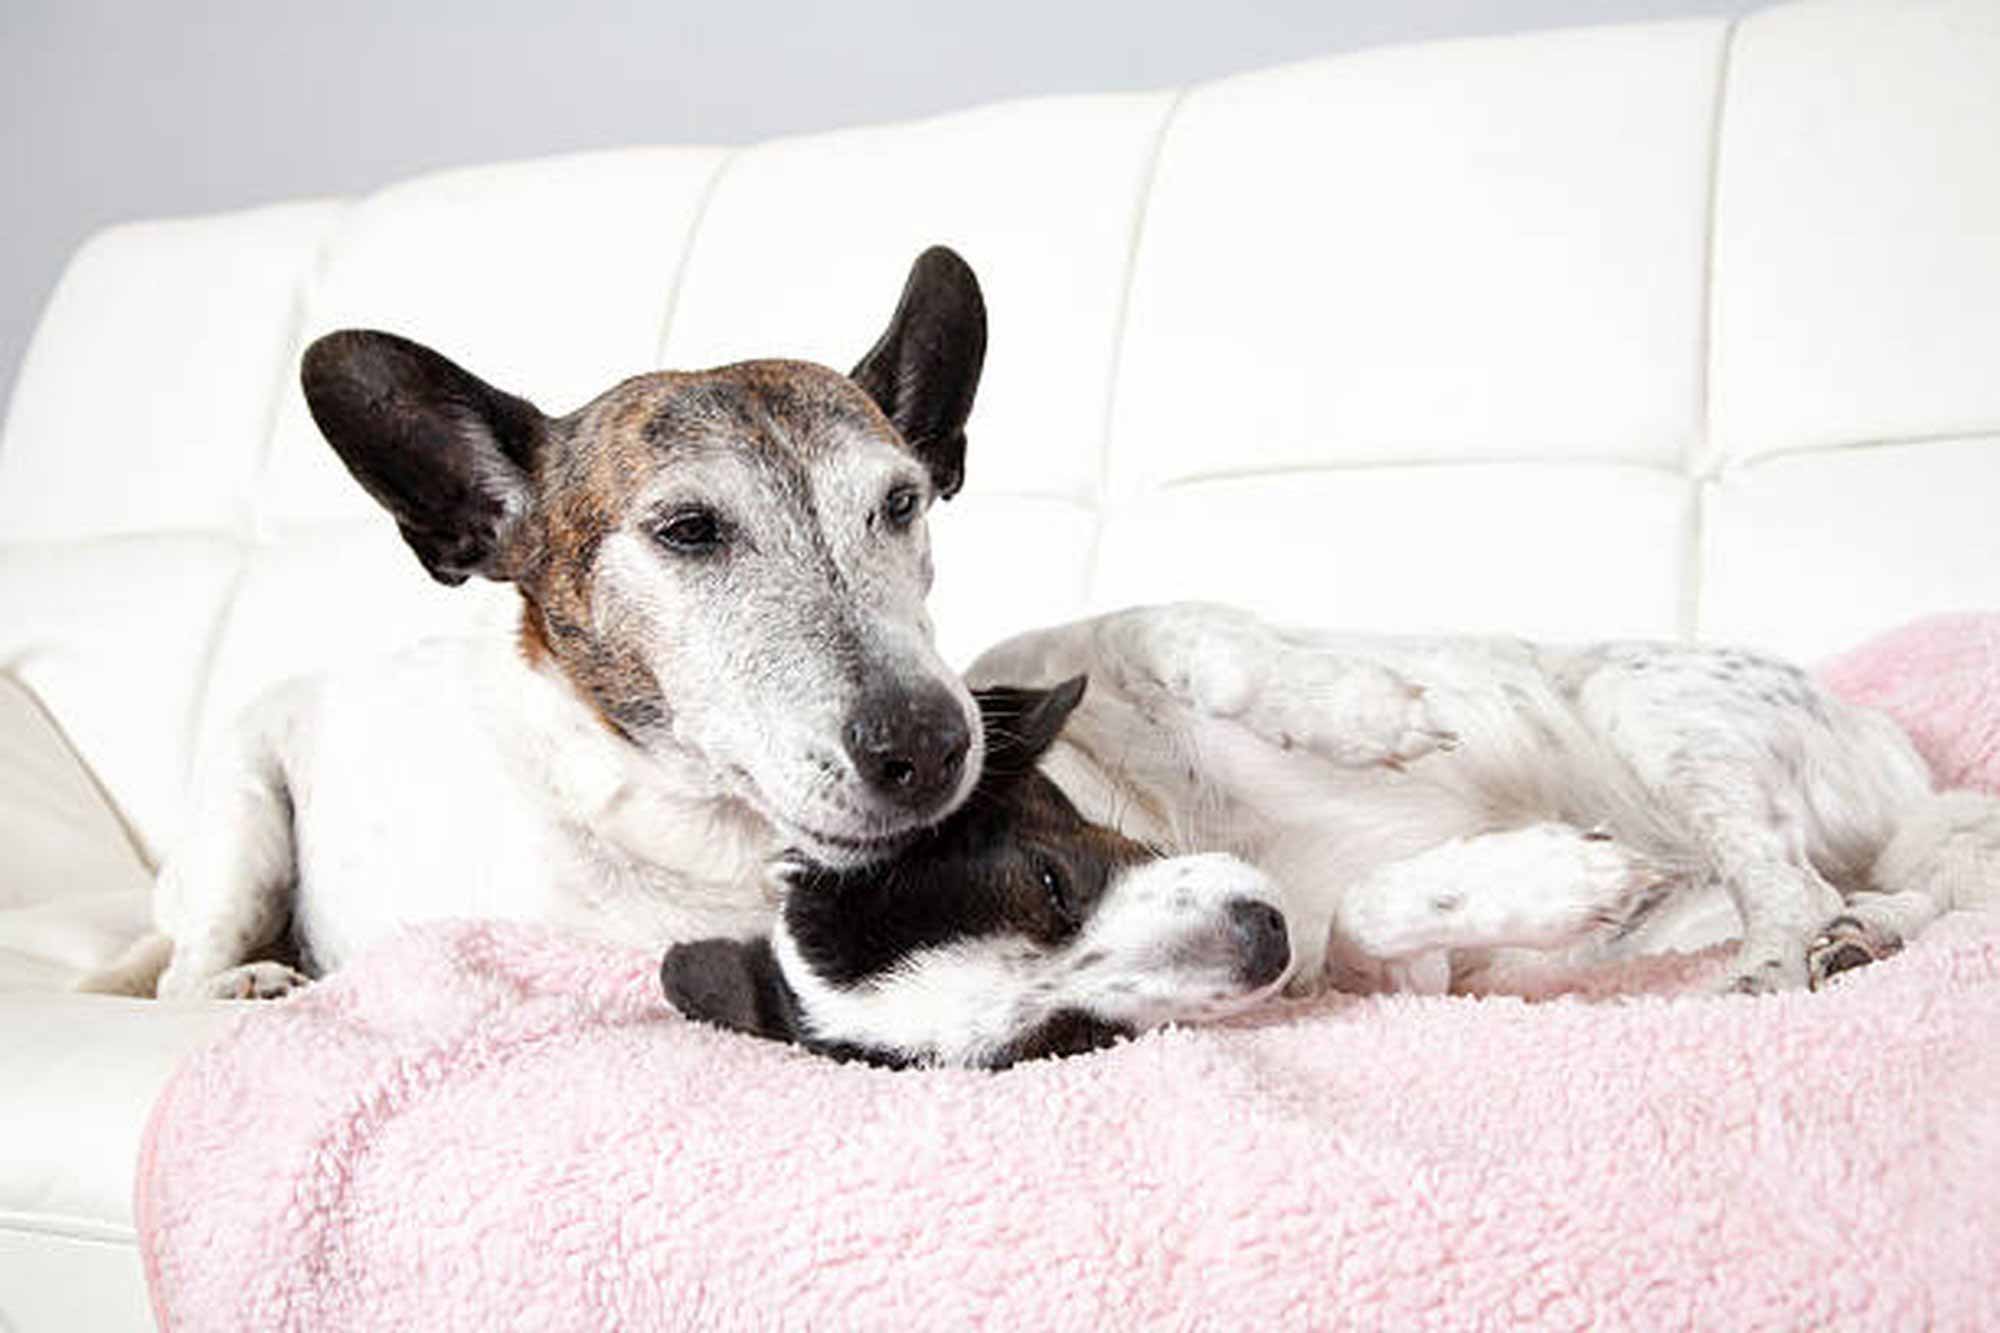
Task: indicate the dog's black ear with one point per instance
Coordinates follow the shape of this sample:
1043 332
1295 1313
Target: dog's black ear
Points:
733 984
924 370
1021 723
447 454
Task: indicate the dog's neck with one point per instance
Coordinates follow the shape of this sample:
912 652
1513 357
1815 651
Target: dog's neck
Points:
661 808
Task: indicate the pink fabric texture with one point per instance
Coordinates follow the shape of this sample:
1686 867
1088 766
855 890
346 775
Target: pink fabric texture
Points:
490 1126
486 1126
1940 678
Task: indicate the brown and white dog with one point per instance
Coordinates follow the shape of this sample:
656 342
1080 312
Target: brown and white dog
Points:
723 652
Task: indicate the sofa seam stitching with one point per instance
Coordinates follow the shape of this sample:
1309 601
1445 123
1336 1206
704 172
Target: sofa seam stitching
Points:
1121 324
730 157
1699 456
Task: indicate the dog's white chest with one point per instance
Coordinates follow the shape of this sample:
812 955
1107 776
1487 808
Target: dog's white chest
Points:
455 782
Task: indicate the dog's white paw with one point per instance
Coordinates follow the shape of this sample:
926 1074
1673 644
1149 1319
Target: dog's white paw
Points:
1208 658
1354 714
1223 663
253 981
1846 943
1533 887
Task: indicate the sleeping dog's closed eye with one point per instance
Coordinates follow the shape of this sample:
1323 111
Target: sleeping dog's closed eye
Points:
1014 929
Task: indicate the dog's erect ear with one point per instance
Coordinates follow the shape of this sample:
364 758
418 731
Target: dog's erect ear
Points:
924 371
444 452
733 984
1021 723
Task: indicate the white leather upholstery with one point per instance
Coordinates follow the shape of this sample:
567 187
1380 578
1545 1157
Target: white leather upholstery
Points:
1687 330
1476 252
62 838
1857 207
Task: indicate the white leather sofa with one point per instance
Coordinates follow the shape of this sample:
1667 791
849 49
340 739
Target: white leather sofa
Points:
1678 330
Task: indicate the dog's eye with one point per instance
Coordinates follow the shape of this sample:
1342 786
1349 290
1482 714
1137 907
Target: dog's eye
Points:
1056 886
902 505
691 532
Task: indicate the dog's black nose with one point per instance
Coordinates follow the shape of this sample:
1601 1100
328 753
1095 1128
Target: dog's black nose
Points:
908 745
1265 949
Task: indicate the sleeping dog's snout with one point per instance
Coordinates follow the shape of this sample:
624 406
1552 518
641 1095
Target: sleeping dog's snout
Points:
908 746
1264 947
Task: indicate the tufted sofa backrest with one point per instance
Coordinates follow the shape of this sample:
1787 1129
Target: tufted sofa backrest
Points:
1682 330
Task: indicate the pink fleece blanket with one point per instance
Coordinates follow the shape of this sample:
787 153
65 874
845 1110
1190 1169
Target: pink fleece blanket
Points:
488 1126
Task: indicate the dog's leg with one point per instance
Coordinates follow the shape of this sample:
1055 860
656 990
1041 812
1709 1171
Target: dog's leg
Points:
224 896
1871 927
1743 753
1536 887
1741 812
1227 664
1781 898
1218 662
1944 855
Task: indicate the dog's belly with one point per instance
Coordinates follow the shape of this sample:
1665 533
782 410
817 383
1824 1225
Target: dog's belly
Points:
452 782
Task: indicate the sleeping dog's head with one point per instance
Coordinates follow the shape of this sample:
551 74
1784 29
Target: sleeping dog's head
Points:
1014 929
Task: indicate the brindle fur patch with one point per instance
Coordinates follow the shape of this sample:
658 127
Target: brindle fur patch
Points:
779 416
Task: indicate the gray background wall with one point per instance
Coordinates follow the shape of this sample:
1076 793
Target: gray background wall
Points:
120 109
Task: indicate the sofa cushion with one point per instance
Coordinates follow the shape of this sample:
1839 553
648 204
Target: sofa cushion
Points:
81 1073
145 400
73 891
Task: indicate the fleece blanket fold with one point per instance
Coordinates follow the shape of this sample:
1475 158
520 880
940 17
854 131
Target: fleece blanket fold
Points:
486 1126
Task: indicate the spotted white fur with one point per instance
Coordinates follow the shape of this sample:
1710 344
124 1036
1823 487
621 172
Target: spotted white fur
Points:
1424 802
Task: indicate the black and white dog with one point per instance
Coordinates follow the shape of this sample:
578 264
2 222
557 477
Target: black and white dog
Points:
1014 929
1418 806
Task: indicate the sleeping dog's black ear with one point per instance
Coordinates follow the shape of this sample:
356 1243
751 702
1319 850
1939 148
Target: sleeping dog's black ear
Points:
1021 723
733 984
924 370
443 451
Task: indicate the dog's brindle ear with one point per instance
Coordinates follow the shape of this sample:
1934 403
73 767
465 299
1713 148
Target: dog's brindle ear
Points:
924 371
733 984
447 454
1021 723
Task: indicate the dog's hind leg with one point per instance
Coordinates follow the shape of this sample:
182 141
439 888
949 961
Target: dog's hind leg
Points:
1870 928
1752 838
1758 772
1781 898
224 895
1944 856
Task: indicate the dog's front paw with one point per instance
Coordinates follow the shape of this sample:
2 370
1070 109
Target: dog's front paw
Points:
1354 714
1535 887
1211 659
1223 663
253 981
1845 944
